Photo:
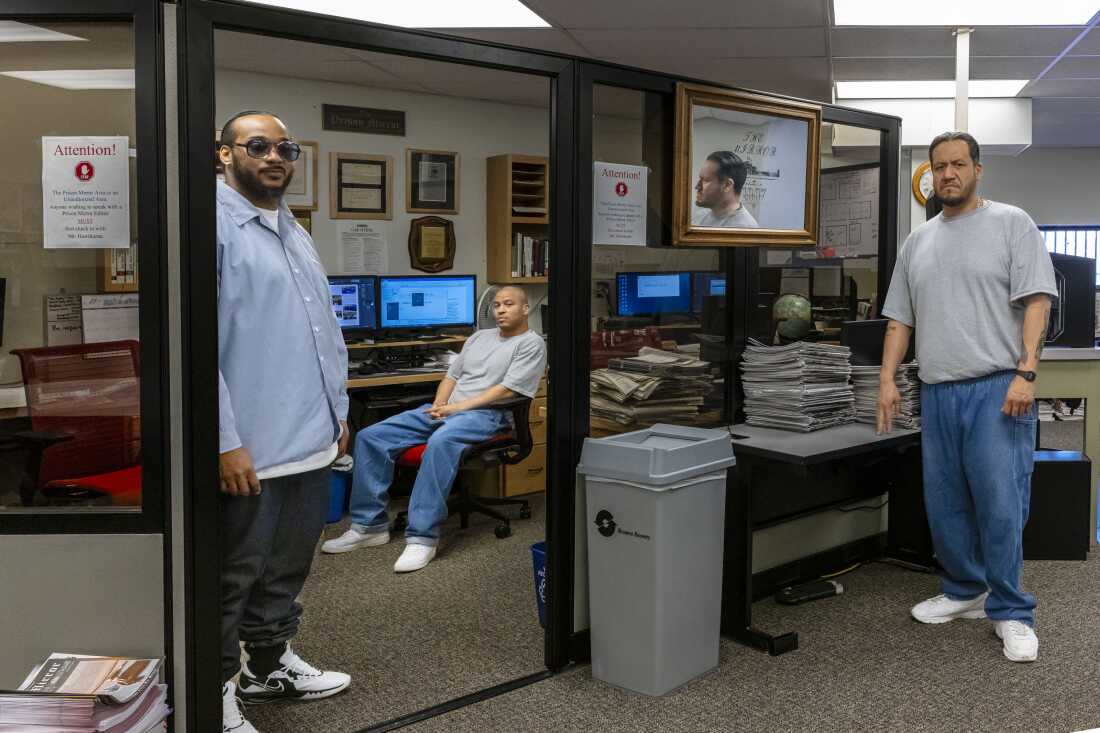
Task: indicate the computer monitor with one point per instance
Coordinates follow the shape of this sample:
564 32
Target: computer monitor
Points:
426 301
866 338
705 284
354 302
652 293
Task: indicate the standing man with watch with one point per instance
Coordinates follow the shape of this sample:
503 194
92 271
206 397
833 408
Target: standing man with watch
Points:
976 282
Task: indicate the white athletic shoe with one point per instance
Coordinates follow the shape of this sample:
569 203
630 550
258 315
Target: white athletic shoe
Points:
354 539
941 609
1020 642
413 558
232 718
293 680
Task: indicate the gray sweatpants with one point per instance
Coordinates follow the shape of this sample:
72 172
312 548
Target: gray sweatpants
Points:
267 545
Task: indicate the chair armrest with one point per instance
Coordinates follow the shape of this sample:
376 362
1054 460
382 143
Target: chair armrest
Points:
40 439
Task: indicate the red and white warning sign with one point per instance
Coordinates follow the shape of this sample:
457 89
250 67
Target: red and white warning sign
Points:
86 192
619 203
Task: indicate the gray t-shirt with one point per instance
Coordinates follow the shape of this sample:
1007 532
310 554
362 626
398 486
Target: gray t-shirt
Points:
488 359
960 281
740 219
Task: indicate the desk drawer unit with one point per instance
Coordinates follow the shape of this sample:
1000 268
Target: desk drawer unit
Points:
527 476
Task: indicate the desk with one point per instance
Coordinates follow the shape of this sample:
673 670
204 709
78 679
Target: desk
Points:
386 380
782 475
1068 372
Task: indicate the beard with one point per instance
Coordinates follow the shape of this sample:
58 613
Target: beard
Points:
254 187
961 197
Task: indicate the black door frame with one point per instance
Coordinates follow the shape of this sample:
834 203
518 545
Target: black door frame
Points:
198 22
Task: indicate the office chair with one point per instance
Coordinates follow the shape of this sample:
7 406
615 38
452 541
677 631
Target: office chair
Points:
85 410
506 448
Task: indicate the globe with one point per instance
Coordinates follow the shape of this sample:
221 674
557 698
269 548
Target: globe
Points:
791 307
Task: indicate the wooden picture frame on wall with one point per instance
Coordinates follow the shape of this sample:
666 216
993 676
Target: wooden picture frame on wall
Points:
767 145
301 194
431 181
360 186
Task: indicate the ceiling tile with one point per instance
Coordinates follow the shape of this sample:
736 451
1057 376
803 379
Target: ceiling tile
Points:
1076 67
683 14
554 40
1021 41
1090 44
891 42
1065 123
719 42
893 68
1064 88
1007 67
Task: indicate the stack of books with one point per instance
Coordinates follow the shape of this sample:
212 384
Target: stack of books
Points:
801 386
530 256
75 693
654 386
865 385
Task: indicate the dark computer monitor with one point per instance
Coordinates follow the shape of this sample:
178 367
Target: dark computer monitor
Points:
704 284
865 339
354 302
1073 313
652 293
426 301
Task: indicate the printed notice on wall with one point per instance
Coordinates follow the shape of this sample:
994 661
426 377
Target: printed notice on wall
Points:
86 192
619 203
63 324
109 317
363 248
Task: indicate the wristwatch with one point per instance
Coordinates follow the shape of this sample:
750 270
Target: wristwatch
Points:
1029 376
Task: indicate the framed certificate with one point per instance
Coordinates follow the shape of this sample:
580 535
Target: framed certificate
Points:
361 186
431 181
302 191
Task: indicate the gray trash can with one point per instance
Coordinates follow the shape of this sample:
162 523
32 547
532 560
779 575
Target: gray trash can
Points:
655 515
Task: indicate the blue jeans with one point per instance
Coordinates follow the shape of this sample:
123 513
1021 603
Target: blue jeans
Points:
378 447
977 487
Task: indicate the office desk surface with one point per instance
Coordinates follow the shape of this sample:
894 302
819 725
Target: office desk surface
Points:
390 379
817 446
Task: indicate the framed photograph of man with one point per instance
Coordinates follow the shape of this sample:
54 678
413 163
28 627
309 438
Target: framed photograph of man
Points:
302 191
361 186
431 181
746 169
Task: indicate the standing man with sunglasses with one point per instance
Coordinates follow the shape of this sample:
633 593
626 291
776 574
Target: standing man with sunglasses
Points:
283 410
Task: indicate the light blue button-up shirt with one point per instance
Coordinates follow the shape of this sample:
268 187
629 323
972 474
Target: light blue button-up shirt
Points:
282 361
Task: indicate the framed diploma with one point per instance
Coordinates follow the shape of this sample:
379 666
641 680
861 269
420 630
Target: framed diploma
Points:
431 244
302 191
360 186
431 181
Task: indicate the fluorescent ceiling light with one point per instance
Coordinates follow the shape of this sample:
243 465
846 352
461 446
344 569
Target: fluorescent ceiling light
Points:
965 13
424 13
927 89
78 79
13 32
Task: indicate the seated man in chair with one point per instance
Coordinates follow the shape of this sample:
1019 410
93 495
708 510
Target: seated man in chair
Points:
495 364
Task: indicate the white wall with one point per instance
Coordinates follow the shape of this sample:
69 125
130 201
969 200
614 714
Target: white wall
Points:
475 129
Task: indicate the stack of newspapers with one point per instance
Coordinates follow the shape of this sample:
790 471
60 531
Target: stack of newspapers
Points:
654 386
865 384
75 693
801 386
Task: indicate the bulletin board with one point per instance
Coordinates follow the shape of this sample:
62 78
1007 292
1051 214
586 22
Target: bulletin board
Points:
849 211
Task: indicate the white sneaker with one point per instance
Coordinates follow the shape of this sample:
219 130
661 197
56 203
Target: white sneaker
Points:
353 539
1021 643
232 718
941 609
293 680
413 558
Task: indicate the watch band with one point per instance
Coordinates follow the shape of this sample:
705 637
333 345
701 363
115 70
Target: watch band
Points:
1029 376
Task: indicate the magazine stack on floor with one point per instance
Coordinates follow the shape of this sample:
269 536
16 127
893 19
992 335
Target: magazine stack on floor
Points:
801 386
74 693
654 386
865 385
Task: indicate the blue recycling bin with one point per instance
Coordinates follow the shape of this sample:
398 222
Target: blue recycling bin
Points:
538 557
339 495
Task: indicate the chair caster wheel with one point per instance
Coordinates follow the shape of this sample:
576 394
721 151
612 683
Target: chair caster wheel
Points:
525 513
502 531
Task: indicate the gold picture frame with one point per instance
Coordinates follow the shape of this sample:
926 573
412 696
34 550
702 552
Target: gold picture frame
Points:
431 181
360 186
774 143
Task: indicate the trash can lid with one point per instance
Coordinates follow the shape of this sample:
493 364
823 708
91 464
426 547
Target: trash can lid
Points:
658 455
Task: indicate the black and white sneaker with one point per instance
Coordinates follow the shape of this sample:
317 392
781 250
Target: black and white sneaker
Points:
232 718
293 680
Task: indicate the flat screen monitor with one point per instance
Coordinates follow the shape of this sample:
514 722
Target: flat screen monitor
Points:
652 293
866 338
354 302
705 284
426 301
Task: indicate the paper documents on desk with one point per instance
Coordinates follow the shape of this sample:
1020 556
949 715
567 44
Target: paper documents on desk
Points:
654 386
865 381
801 386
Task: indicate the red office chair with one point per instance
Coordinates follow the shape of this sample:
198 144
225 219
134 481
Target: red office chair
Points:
508 447
85 410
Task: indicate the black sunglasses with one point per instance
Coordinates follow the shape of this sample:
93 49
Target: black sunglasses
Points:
259 148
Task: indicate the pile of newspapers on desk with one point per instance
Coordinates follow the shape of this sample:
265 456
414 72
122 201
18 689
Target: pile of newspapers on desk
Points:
76 693
801 386
865 384
654 386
